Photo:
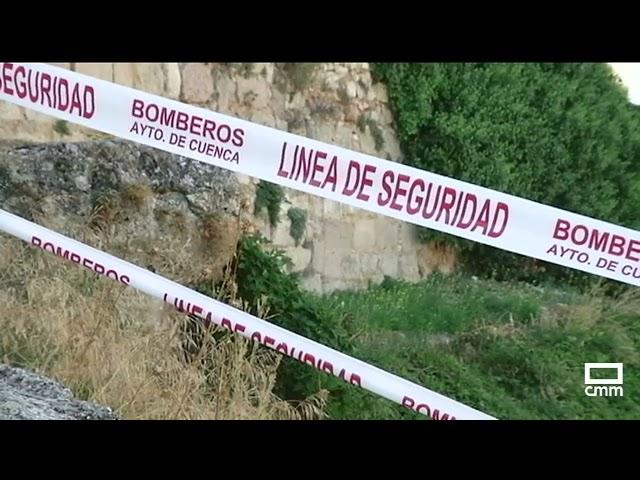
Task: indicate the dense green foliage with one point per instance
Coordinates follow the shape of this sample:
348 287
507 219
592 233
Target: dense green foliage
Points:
298 218
262 278
512 350
269 197
561 134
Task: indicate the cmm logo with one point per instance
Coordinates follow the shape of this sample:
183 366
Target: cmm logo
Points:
603 387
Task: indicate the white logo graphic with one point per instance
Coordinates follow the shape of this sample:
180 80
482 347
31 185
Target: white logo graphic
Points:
603 387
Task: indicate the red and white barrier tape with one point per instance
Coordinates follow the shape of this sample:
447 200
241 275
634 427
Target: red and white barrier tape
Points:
307 351
399 191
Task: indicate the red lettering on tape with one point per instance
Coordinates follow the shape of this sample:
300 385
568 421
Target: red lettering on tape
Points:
52 91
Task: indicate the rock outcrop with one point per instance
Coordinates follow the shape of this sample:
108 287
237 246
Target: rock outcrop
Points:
155 208
27 396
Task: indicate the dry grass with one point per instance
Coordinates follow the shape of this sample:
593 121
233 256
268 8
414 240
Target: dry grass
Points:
110 207
190 249
595 312
105 211
219 238
136 196
115 346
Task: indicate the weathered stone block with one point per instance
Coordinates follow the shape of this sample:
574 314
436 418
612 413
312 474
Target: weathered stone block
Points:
364 235
254 91
197 84
387 230
301 258
103 71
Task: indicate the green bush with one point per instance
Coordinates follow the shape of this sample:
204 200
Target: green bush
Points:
298 217
561 134
269 196
261 276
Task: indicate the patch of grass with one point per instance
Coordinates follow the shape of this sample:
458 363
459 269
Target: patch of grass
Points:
61 127
136 195
269 197
439 304
117 347
511 350
106 207
174 219
219 236
298 217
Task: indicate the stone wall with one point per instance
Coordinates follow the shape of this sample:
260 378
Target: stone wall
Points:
24 124
342 247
